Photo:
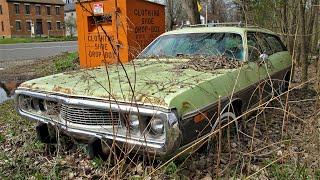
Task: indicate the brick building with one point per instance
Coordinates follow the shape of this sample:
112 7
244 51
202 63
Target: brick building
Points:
21 18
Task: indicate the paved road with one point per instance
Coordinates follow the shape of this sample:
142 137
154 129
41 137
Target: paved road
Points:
35 50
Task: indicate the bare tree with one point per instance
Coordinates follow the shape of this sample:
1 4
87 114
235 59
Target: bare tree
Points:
173 13
191 8
169 15
218 9
303 50
71 25
316 28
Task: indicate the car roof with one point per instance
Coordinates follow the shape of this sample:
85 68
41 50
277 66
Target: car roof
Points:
238 30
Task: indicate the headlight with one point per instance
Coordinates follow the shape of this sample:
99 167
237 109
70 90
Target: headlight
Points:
51 107
35 105
134 122
42 106
26 103
157 126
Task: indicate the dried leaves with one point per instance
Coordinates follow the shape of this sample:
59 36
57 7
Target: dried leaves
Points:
208 63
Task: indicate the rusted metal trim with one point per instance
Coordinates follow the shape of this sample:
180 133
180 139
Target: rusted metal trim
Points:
98 99
167 146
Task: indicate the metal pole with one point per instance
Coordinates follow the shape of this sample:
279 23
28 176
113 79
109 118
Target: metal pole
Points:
206 13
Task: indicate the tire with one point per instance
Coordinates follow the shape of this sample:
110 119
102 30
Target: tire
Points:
225 117
284 85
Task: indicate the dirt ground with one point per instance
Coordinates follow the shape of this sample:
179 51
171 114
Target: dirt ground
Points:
22 70
280 142
15 72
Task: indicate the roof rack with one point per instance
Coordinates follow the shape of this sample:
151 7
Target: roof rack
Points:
237 24
192 25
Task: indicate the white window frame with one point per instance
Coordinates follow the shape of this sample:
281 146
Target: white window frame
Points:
27 4
55 9
57 25
51 25
38 5
20 25
30 25
47 10
14 4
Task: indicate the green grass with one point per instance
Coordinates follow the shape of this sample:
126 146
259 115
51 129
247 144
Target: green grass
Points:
66 62
290 171
171 168
34 40
61 63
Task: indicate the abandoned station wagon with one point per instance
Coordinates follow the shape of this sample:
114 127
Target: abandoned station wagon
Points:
166 98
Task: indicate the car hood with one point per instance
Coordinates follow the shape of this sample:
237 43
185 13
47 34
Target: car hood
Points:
152 81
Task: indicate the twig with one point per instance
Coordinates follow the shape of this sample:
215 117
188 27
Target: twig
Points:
220 137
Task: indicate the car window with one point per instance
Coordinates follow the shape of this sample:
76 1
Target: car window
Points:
253 47
265 47
210 44
261 41
275 43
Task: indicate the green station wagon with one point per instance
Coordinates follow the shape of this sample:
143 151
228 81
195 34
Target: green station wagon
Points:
165 99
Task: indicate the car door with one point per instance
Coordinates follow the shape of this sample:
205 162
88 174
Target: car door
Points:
256 72
279 59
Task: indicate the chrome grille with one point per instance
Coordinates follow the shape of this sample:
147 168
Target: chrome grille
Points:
89 116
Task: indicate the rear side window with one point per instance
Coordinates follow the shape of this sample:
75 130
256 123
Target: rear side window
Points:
257 44
261 41
275 43
253 47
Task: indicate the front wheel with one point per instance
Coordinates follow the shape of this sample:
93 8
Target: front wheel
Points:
284 84
228 132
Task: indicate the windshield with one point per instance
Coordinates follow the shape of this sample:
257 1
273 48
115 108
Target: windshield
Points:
208 44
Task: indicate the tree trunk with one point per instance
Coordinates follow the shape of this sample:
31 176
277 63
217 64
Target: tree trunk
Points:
285 25
293 9
303 55
191 7
169 15
315 28
310 25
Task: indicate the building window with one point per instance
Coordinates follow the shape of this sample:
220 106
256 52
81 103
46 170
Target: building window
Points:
0 9
49 26
28 25
38 10
18 25
58 25
27 7
2 26
48 10
17 8
57 10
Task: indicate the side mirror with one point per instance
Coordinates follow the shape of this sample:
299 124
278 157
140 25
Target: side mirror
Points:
263 58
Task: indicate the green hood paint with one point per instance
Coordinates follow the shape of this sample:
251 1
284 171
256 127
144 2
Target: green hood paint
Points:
154 81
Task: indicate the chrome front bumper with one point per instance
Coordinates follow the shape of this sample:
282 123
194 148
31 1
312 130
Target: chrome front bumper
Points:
165 147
